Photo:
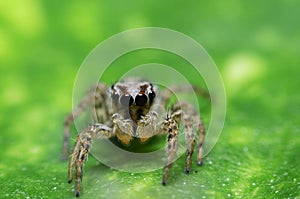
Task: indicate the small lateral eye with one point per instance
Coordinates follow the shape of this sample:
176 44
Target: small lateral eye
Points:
141 99
151 97
126 100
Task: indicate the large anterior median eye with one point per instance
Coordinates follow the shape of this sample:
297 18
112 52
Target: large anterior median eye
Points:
126 100
141 99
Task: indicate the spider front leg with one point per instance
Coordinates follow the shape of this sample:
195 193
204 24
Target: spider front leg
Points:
81 151
69 121
96 98
171 126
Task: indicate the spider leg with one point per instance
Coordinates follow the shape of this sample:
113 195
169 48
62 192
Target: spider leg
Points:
81 151
190 119
191 115
94 97
185 113
190 142
201 136
171 126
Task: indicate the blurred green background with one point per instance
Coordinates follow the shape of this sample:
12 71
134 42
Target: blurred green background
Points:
255 45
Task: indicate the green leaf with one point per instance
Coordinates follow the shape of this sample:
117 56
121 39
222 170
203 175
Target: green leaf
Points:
255 45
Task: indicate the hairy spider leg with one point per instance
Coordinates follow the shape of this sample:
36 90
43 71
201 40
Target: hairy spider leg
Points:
81 151
171 126
96 98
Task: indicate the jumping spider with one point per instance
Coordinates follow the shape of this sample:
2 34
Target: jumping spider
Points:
126 110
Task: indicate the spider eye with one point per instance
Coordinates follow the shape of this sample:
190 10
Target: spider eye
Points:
126 100
151 97
141 99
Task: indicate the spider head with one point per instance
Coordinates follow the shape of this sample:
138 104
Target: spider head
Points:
133 98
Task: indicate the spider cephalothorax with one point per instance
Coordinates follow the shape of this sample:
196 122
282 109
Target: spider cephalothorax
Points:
127 110
134 98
